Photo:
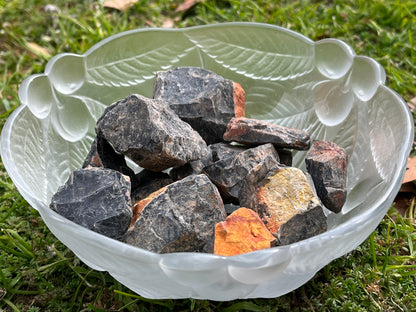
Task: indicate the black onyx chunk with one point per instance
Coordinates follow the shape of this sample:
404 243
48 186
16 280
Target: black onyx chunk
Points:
96 198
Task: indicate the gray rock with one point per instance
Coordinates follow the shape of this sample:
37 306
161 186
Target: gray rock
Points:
229 173
255 132
200 97
96 198
225 150
327 163
179 217
193 167
150 133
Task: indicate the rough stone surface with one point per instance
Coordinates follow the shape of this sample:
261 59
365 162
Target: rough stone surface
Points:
243 231
327 163
225 150
96 198
180 217
239 100
148 182
229 173
150 133
193 167
139 205
102 154
255 132
249 186
200 97
218 151
286 202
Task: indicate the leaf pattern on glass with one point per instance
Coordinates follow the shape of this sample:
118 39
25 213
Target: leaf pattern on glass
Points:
239 48
382 117
58 164
134 70
64 157
95 107
29 153
353 136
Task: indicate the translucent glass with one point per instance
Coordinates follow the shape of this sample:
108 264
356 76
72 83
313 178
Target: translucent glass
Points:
321 87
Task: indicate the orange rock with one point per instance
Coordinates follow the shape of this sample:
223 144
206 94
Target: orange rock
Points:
242 231
239 97
138 207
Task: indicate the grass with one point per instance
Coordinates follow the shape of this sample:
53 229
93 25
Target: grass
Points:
38 273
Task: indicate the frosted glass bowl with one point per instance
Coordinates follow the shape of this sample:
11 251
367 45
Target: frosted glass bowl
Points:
321 87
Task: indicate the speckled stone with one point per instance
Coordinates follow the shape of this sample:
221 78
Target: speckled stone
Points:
96 198
255 132
285 200
150 133
327 163
225 150
229 173
179 217
192 167
202 98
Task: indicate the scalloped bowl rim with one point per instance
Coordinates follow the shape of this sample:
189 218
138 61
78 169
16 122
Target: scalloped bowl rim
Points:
128 250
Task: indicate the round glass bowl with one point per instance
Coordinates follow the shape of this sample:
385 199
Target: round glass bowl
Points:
321 87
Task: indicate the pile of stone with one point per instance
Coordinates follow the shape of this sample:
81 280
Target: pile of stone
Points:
198 152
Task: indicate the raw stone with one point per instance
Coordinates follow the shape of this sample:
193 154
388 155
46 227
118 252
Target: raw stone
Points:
225 150
102 154
193 167
202 98
255 132
179 217
327 162
149 182
218 150
243 231
285 200
96 198
150 133
229 173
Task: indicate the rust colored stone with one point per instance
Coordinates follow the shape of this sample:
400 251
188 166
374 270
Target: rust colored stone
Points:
200 97
239 100
179 217
229 173
327 163
255 132
150 133
285 200
243 231
139 206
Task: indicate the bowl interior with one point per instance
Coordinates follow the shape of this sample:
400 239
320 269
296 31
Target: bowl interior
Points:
321 87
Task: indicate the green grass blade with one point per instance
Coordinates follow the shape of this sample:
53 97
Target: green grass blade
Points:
244 306
165 303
